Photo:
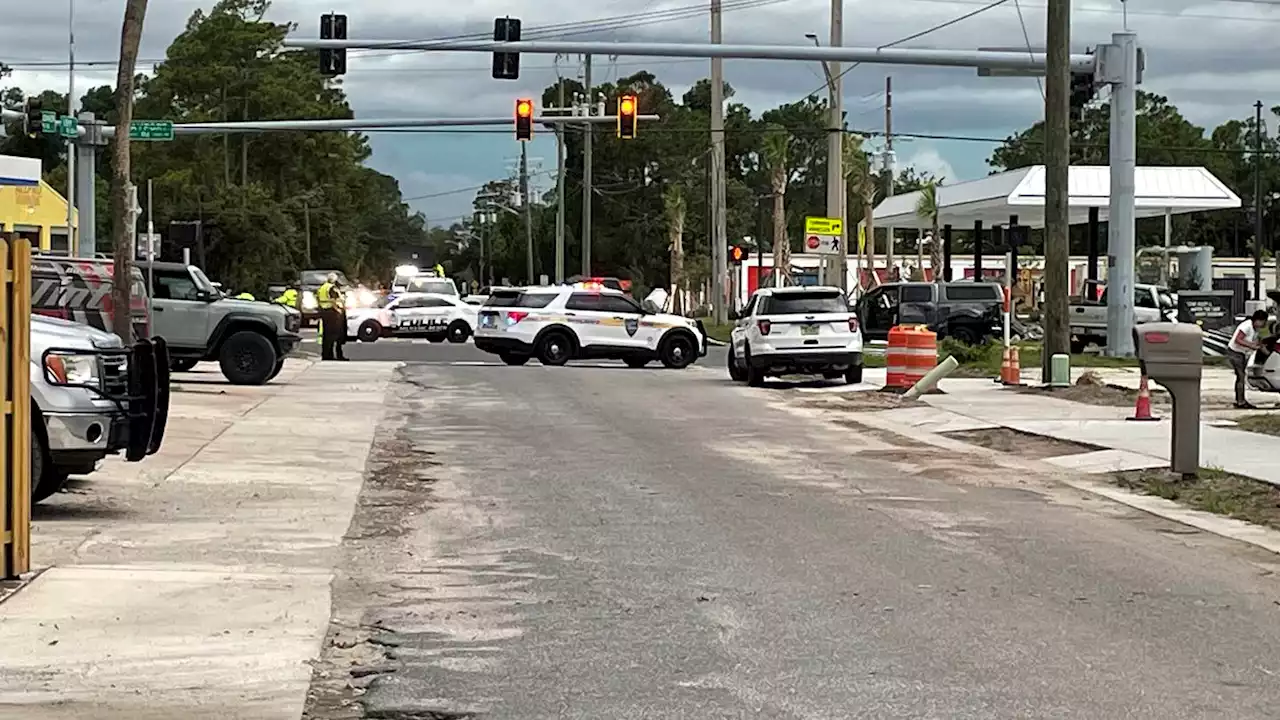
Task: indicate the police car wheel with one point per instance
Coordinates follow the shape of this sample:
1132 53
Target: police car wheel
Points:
736 373
677 351
369 331
555 348
459 331
853 375
755 375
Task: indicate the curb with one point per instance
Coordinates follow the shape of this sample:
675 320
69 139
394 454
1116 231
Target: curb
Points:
1230 528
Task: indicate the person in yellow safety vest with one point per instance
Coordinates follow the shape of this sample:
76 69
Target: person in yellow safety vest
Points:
289 297
329 300
245 296
439 270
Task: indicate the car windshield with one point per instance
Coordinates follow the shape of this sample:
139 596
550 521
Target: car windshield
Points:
807 303
319 277
441 286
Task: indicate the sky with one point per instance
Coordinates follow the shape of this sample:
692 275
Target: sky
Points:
1212 59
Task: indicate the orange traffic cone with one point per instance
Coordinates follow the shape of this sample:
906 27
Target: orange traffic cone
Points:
1142 409
1015 367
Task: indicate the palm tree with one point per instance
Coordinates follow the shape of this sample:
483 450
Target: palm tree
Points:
121 207
861 183
674 207
777 151
927 209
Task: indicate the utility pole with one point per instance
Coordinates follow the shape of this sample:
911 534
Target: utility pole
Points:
835 147
73 244
586 170
560 152
719 234
1120 68
528 211
123 194
890 167
1257 205
1057 160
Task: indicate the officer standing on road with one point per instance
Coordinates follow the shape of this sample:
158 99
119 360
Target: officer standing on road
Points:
329 299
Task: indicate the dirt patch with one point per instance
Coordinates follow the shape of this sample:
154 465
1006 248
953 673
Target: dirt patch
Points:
1020 443
1214 491
865 401
1263 423
1089 394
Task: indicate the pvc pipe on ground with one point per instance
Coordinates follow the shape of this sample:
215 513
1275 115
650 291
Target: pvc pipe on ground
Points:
931 378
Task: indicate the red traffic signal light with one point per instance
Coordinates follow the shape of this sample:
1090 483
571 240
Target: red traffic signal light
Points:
524 119
627 106
737 254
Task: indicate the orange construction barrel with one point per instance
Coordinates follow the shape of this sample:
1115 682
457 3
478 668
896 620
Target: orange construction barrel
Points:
895 359
921 353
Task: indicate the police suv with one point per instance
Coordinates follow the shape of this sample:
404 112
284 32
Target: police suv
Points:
796 330
436 317
584 321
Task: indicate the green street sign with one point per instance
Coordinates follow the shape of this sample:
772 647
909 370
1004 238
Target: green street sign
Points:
67 127
48 122
151 130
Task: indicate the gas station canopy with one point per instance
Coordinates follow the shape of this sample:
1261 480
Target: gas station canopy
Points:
1158 190
20 171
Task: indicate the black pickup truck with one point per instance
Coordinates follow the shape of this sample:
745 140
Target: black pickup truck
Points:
970 312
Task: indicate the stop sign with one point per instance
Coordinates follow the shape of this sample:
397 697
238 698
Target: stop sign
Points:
812 242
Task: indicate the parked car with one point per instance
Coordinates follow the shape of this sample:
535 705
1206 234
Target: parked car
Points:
91 397
971 312
249 340
79 290
1088 318
431 316
796 330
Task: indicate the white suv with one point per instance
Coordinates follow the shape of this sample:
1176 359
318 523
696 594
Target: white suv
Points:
562 323
796 330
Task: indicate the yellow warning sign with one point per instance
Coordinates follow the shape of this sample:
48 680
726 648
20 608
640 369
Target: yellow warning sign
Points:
862 239
823 226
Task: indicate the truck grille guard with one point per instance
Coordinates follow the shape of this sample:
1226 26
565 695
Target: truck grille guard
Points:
142 396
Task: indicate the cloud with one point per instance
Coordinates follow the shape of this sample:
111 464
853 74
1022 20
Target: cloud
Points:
1213 59
928 160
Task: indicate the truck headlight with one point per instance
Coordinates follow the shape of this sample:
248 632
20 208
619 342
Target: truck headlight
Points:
309 300
71 369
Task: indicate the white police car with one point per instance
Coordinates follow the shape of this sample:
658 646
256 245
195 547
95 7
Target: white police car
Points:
569 322
796 330
434 316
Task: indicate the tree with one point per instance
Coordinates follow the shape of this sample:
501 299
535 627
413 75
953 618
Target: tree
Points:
776 150
122 210
927 208
861 183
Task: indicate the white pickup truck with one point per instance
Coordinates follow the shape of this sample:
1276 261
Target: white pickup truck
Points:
1088 318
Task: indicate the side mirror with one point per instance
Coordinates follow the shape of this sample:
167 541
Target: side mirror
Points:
204 296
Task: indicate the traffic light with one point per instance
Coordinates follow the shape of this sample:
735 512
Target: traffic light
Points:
524 119
333 61
627 107
737 254
506 65
34 120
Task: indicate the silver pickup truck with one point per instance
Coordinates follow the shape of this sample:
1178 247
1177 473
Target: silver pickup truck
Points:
91 397
1088 319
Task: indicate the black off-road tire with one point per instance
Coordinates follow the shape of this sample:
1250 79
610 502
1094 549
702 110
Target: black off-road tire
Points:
247 358
276 370
46 480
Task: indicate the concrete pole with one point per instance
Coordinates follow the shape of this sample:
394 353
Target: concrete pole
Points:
560 160
1057 221
719 233
1168 241
528 212
586 170
86 177
1257 204
1121 246
890 170
835 150
73 107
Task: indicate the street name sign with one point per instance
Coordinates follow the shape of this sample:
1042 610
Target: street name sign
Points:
67 126
48 122
823 226
151 130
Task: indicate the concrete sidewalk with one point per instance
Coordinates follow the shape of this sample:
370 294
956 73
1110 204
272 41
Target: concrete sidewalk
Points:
196 584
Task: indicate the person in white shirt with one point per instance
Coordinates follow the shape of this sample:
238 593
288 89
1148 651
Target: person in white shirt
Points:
1244 341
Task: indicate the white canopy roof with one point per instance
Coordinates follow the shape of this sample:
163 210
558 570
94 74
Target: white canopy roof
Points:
19 171
1021 192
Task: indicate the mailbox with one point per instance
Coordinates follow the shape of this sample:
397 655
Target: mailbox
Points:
1172 355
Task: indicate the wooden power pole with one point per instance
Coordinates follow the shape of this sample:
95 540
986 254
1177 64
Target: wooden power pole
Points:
1057 159
124 209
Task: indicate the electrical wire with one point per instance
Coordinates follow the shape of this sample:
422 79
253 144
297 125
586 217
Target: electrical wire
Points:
1027 37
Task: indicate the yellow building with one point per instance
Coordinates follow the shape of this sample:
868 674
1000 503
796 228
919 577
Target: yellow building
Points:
38 213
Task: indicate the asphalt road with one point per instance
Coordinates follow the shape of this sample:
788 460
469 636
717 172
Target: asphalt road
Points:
599 542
